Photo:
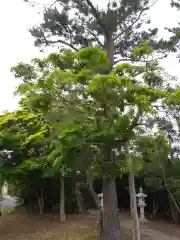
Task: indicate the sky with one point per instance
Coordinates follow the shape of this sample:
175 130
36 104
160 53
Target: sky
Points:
16 43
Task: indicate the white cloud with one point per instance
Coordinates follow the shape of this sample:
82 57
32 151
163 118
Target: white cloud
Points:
16 44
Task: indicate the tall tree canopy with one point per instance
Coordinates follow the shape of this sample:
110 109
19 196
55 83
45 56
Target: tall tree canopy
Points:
117 27
93 110
107 105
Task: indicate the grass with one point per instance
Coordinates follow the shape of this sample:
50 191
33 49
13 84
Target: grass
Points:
47 227
89 234
7 211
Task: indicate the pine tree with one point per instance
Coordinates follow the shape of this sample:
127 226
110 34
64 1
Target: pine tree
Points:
175 3
117 28
172 44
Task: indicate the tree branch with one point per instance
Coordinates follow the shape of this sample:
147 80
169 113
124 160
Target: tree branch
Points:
97 16
135 21
122 60
95 37
91 188
33 3
130 27
51 5
59 41
135 121
140 60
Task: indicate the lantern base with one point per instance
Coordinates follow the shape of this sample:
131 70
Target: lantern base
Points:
143 221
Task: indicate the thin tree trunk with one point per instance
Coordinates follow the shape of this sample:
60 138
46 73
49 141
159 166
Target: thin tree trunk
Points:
40 200
62 200
155 209
132 193
1 198
91 189
154 205
131 199
174 213
166 184
79 200
95 198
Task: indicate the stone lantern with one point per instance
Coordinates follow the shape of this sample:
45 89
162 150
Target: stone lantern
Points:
101 199
141 204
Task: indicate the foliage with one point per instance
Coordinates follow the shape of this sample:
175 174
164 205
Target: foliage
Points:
115 27
106 110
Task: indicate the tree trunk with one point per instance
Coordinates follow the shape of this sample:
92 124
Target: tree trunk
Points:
1 198
91 189
62 201
40 200
174 213
111 225
134 214
109 48
79 199
131 199
95 198
154 211
132 193
173 203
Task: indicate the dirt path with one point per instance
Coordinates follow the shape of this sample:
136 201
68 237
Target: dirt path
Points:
148 231
77 227
48 227
157 230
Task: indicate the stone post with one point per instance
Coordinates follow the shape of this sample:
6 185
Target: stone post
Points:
101 199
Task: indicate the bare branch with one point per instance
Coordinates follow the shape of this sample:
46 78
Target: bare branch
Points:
140 60
122 60
51 5
35 3
59 41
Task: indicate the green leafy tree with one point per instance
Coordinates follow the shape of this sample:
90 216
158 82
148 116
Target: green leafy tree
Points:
25 136
34 159
115 28
92 109
160 170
